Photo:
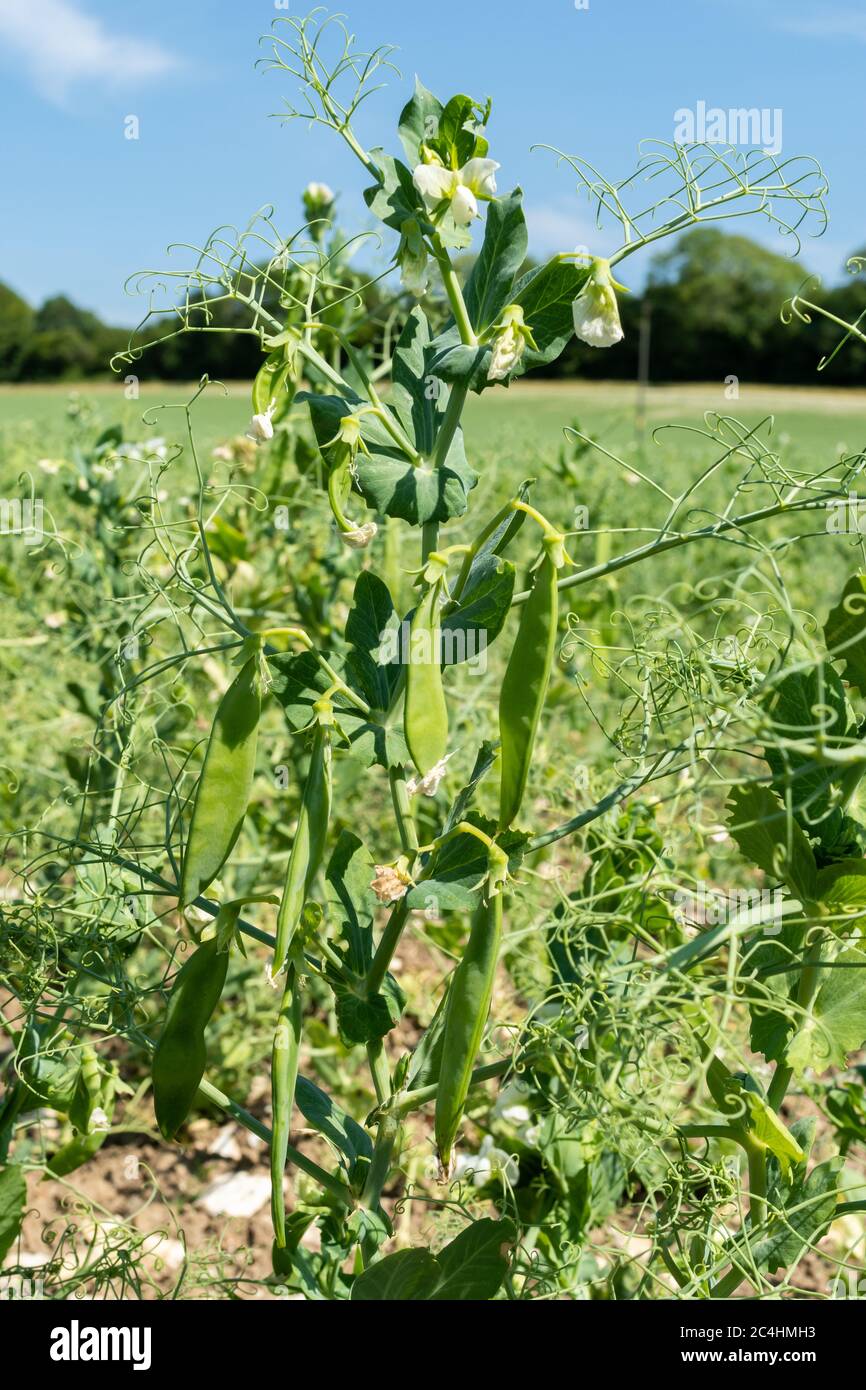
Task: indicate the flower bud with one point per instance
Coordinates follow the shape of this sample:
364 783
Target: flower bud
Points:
261 428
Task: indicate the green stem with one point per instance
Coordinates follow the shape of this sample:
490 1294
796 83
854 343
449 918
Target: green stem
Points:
331 1184
380 1165
379 1070
454 293
757 1156
403 810
806 991
406 1101
386 948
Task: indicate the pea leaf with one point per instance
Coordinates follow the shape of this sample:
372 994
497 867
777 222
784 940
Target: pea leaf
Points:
351 903
775 970
802 705
479 617
484 761
470 1268
419 122
772 840
503 252
347 1136
371 618
801 1212
546 296
396 198
842 887
13 1197
837 1020
432 896
298 681
845 631
389 482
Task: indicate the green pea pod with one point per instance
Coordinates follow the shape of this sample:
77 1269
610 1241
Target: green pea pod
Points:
179 1060
308 846
271 384
225 784
425 713
527 677
466 1010
284 1076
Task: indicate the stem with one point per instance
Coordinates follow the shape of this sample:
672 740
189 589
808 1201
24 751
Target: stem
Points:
643 552
380 1166
403 810
454 293
335 1186
806 990
402 1103
379 1070
386 948
757 1183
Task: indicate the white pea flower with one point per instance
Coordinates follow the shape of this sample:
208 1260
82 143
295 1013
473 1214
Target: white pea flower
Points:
511 1105
512 335
359 537
488 1163
99 1121
596 311
428 785
320 192
261 427
460 187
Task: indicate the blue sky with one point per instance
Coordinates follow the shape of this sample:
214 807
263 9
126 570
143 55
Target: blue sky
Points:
81 206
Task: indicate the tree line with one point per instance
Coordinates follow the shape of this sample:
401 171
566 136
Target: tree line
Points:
711 306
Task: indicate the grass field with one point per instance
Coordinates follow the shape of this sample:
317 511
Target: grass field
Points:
515 425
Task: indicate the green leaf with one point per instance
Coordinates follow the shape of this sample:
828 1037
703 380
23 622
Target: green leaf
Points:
805 1207
836 1024
481 613
351 903
371 617
396 198
772 991
389 482
842 887
546 296
345 1134
419 122
503 252
362 1019
13 1197
470 1268
771 839
484 761
803 705
298 681
845 631
432 896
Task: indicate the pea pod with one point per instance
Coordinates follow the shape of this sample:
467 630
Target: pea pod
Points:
466 1010
527 677
308 846
271 385
179 1060
225 784
284 1076
425 713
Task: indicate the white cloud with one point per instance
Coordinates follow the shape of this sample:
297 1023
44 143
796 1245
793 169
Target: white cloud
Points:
828 24
60 45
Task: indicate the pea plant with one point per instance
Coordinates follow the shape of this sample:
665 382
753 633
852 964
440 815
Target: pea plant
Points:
626 1034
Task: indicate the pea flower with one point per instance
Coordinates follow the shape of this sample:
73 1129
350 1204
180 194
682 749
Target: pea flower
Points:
261 427
512 335
596 311
390 884
428 785
460 187
412 259
490 1162
359 537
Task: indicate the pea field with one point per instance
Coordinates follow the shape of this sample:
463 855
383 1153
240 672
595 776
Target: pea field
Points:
432 802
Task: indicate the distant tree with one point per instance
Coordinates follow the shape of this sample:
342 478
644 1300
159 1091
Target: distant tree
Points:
716 301
16 325
58 354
